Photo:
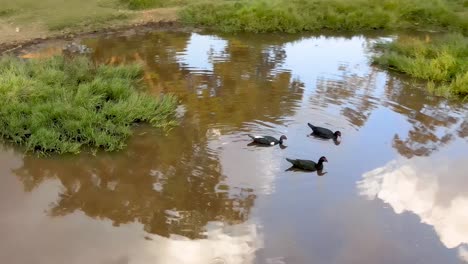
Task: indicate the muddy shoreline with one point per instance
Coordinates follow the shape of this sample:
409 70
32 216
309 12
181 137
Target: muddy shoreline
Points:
18 46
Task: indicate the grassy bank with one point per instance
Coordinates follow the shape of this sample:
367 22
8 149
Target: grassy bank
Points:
62 106
26 19
443 61
312 15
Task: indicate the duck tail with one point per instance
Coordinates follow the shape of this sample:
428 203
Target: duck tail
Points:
311 126
252 137
290 160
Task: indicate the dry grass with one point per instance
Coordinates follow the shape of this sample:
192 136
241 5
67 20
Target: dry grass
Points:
26 19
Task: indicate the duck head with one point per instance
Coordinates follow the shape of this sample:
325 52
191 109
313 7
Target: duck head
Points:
319 165
283 137
337 137
323 159
337 134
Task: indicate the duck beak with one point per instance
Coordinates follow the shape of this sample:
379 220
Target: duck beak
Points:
326 160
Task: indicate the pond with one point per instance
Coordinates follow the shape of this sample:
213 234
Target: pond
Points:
395 190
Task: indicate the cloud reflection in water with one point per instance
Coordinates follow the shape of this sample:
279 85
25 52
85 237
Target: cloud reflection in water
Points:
434 189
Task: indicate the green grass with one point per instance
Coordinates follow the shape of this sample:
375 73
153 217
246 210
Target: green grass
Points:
313 15
142 4
61 105
443 61
145 4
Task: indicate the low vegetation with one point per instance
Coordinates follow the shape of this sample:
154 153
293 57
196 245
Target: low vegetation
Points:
145 4
142 4
442 60
60 105
25 19
312 15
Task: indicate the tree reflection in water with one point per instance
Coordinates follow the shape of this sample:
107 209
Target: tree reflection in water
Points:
434 120
173 184
170 188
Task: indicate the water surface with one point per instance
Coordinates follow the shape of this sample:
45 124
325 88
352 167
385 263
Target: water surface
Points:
395 189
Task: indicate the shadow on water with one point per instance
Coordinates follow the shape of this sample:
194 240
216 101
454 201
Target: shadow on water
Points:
257 145
319 172
315 137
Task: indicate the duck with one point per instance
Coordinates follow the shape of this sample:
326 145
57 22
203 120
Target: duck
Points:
268 140
324 132
308 164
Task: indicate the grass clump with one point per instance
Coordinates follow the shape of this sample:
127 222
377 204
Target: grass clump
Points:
58 105
145 4
6 12
443 61
311 15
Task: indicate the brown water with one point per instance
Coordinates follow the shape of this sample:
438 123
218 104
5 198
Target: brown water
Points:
395 189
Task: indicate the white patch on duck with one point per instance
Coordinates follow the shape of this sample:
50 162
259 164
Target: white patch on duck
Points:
258 137
272 143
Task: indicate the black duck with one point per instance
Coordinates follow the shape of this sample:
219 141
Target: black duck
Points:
308 164
268 140
324 132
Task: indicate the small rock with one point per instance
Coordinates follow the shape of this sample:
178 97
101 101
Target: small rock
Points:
76 48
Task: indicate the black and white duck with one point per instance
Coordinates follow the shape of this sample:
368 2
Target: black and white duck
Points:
324 132
308 164
268 140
